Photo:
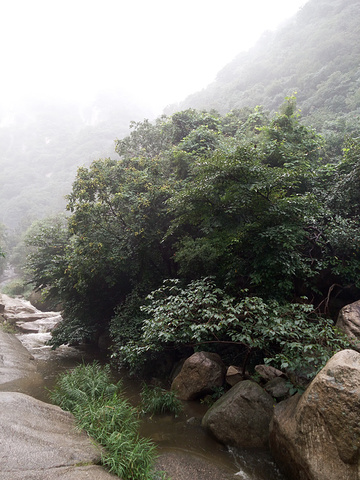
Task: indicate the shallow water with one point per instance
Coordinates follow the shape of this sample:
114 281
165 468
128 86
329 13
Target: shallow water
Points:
182 435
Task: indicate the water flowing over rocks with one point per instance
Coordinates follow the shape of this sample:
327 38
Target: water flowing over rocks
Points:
29 446
316 436
38 441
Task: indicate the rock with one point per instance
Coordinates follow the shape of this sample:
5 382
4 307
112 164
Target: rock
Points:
234 375
88 472
277 388
241 417
317 436
40 441
15 361
348 321
267 372
20 310
200 374
189 466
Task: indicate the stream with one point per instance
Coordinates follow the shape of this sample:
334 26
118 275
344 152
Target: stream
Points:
182 435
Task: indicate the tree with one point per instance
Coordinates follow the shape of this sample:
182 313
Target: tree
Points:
46 241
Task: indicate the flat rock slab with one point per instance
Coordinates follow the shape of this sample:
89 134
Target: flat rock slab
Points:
15 360
184 466
41 441
89 472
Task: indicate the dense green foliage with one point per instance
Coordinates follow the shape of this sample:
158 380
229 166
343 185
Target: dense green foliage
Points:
246 199
292 335
101 409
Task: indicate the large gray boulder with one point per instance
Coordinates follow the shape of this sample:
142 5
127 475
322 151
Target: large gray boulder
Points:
40 441
16 362
200 374
316 436
348 321
241 417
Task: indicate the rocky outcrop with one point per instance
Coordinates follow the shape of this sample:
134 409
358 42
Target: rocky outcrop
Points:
20 311
16 363
317 436
40 441
241 417
349 322
200 374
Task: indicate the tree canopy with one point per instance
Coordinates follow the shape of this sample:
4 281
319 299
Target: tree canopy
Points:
243 218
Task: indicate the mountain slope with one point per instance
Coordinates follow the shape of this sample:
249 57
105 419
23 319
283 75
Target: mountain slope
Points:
315 54
43 143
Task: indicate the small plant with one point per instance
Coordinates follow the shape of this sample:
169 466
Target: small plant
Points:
17 287
8 328
101 409
213 397
156 400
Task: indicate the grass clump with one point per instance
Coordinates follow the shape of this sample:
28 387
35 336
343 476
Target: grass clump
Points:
156 400
17 287
101 409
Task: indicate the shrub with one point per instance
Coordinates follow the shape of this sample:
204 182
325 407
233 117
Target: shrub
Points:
289 335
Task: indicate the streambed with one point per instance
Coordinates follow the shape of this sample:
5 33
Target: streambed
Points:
181 441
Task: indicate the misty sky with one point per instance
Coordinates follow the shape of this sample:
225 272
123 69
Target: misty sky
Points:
158 50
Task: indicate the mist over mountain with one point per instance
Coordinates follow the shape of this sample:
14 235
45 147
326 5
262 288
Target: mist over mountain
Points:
315 54
43 143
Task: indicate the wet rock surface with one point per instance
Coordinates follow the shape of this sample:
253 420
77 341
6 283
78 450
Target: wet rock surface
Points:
317 436
349 322
190 467
15 361
38 441
38 436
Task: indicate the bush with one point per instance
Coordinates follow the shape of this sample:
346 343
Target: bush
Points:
17 287
289 335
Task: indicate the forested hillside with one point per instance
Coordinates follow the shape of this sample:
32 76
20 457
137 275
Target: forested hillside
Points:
225 232
235 231
315 54
43 143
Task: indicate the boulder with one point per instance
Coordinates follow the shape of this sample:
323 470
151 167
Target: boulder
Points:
316 436
241 417
348 321
40 441
16 363
277 388
267 372
200 374
233 375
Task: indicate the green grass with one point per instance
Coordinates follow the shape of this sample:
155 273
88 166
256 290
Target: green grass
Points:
156 400
101 409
